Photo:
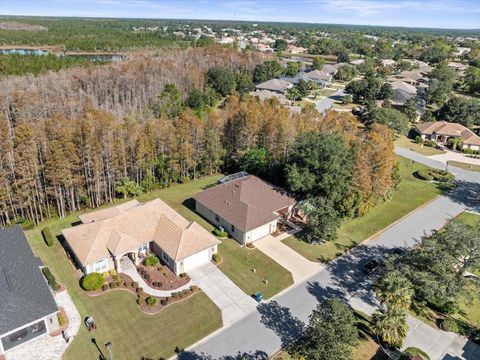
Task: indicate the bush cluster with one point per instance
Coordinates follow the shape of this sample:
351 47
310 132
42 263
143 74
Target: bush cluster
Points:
220 233
52 282
152 260
48 236
216 258
151 301
61 319
451 325
410 353
434 174
92 281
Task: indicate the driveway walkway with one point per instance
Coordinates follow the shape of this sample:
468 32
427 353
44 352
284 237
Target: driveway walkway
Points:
454 156
276 323
50 347
439 344
300 267
233 302
325 104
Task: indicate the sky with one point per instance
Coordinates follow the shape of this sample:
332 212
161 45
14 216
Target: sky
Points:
453 14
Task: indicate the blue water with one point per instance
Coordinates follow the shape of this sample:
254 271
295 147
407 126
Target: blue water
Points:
24 51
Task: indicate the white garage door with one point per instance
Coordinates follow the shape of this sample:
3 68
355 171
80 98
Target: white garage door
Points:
260 232
196 260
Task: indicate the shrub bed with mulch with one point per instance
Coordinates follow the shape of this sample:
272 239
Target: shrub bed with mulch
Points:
162 278
153 304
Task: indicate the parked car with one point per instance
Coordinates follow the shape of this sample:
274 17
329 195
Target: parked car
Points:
373 265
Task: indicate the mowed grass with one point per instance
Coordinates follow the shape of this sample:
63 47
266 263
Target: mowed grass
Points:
409 144
410 194
465 166
132 333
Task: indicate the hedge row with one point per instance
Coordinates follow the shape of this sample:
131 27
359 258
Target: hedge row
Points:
434 174
48 236
50 278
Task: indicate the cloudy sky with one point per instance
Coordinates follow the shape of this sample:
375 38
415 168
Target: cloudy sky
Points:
461 14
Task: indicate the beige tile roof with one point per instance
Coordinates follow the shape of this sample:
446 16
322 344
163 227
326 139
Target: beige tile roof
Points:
246 203
319 75
108 212
449 129
275 85
404 86
152 221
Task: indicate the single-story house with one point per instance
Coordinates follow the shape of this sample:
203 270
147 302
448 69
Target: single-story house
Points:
28 310
318 76
442 131
263 95
246 207
275 85
404 86
115 237
330 69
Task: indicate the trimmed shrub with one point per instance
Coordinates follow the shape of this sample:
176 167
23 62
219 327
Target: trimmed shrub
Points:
105 287
220 233
113 272
450 325
419 140
25 223
183 275
410 353
117 279
216 258
164 302
134 284
138 290
194 288
48 236
92 281
52 282
430 143
423 175
151 301
152 260
61 319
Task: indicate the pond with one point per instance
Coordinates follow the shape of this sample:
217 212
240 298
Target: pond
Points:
23 52
87 56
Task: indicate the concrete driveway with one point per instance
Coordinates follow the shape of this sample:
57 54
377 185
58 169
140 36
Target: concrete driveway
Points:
231 300
300 267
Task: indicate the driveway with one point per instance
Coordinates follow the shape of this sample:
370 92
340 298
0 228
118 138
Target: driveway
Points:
300 267
325 104
233 302
276 323
454 156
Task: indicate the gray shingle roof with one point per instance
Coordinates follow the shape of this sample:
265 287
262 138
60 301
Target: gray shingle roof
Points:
24 292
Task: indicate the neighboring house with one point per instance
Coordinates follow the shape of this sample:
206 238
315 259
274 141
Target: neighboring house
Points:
330 69
388 62
292 49
320 77
404 86
28 310
115 237
442 131
457 66
247 208
275 85
357 62
263 95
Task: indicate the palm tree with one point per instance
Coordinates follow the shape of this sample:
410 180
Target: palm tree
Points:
395 290
391 325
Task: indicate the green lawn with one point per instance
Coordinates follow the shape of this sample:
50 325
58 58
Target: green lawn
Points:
409 144
410 194
462 165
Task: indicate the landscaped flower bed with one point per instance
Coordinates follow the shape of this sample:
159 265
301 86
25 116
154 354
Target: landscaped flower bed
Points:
161 277
147 303
153 304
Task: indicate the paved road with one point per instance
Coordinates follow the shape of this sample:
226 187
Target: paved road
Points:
327 103
277 322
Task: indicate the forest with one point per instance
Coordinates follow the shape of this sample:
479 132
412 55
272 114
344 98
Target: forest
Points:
82 137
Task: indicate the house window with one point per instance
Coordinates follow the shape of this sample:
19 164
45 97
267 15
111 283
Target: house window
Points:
143 248
165 258
217 218
100 266
233 228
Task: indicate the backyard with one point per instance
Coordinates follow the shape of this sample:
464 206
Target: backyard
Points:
410 194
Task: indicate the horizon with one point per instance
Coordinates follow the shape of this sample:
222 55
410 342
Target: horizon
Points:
421 14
